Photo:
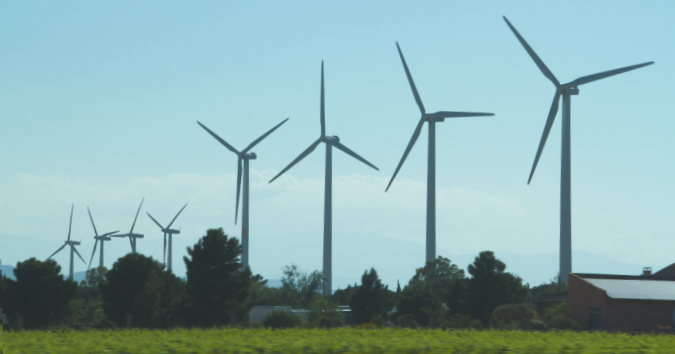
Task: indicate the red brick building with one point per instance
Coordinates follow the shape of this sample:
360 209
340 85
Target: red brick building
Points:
622 302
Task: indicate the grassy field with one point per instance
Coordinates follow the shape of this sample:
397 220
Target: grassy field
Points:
331 341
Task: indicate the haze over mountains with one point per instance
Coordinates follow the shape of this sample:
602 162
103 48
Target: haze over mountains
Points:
394 259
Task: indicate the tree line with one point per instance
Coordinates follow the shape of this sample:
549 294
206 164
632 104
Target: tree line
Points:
138 291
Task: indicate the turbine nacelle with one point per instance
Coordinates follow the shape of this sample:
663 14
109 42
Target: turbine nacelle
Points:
102 238
249 156
330 139
73 243
171 231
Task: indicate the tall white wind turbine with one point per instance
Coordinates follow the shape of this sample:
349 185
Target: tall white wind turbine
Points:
245 156
330 141
72 245
102 238
131 235
168 231
566 91
432 119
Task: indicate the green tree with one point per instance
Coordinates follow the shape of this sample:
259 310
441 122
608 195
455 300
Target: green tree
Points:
300 289
217 285
420 301
263 295
440 274
39 293
342 296
324 313
139 285
489 287
370 298
89 295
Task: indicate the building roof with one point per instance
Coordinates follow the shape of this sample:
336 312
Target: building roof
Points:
628 287
668 271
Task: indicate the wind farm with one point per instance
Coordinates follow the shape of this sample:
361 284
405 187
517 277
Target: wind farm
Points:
327 237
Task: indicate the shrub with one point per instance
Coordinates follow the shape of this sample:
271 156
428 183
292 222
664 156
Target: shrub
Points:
536 324
564 322
279 319
408 321
512 316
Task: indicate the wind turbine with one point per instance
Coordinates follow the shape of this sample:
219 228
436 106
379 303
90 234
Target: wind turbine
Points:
330 141
72 245
432 119
566 91
101 238
131 235
245 156
168 231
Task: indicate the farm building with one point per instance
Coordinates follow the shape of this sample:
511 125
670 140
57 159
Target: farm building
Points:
644 303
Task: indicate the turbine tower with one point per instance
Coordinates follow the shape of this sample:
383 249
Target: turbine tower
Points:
101 238
432 119
245 156
131 235
168 231
566 91
330 141
72 245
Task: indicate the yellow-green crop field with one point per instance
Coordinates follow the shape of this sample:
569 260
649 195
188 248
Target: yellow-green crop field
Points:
331 341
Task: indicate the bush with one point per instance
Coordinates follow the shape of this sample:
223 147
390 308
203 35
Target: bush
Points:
279 319
564 322
512 316
536 324
408 321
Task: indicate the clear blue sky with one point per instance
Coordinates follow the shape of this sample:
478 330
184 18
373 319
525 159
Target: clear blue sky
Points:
99 103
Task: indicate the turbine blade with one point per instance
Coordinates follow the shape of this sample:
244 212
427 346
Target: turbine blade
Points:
351 153
236 206
410 81
445 114
416 134
153 219
78 254
122 235
590 78
176 217
297 159
534 55
92 254
230 147
138 211
108 233
92 221
323 106
57 251
70 225
255 142
547 128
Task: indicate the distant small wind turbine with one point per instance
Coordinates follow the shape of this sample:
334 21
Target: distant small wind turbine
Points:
432 119
243 155
168 231
72 245
101 238
330 141
566 91
131 235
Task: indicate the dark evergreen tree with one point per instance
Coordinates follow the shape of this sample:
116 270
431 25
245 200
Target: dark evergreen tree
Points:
39 294
217 286
342 296
139 285
490 287
421 302
371 298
